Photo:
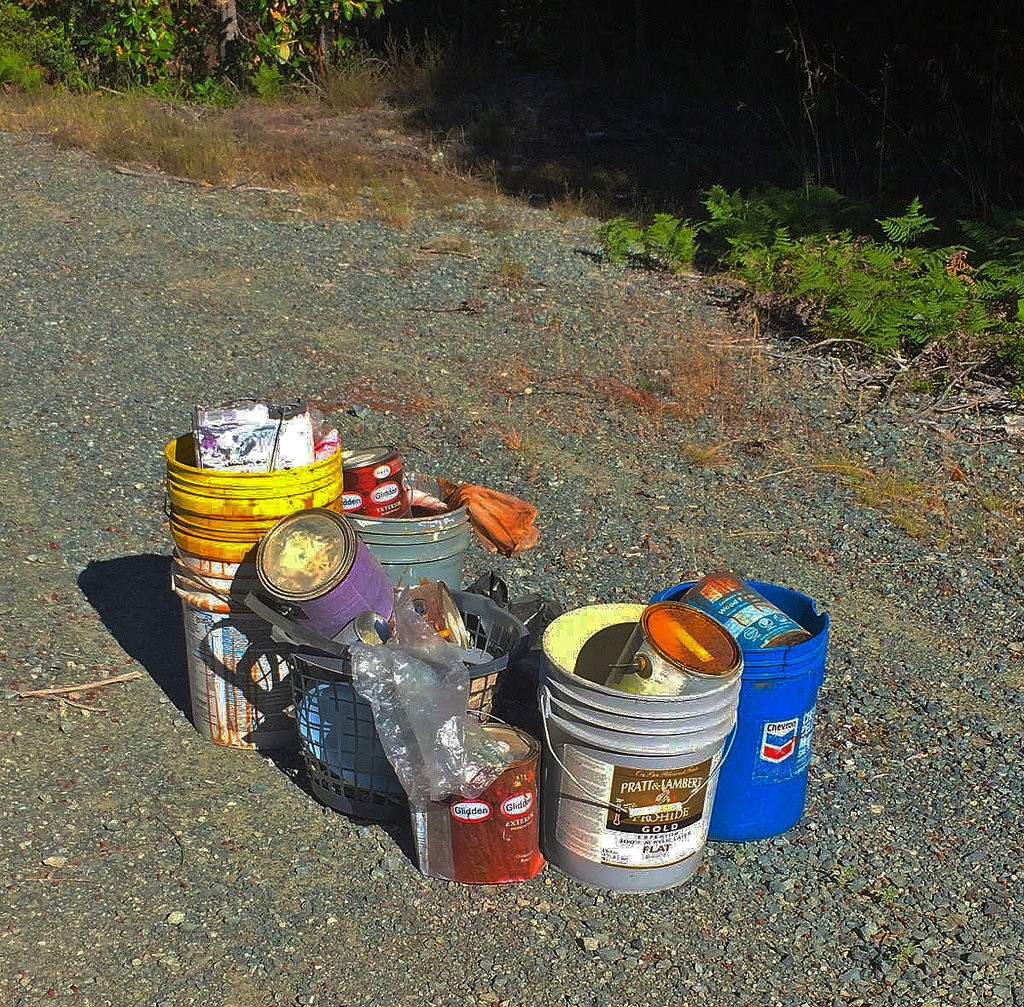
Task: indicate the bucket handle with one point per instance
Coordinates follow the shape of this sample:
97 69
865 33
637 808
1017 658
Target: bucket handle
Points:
545 709
285 630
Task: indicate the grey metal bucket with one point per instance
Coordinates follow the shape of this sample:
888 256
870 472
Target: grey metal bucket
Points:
628 780
411 548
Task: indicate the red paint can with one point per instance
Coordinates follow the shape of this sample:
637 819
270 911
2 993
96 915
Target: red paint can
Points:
374 483
492 838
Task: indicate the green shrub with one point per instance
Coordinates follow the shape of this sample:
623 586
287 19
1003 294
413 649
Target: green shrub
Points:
671 241
14 69
893 296
32 49
619 238
667 241
266 81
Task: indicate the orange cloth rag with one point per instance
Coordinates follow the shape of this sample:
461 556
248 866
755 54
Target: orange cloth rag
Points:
503 523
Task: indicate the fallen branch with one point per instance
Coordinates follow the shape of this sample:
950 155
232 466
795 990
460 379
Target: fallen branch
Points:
63 690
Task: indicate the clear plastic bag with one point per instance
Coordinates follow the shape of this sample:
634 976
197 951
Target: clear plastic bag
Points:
418 688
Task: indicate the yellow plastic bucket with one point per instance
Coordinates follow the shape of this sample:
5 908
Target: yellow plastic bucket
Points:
221 515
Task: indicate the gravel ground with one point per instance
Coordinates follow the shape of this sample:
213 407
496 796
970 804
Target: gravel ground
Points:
142 865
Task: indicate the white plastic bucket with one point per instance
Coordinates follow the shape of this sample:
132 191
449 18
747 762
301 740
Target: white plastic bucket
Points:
237 679
628 780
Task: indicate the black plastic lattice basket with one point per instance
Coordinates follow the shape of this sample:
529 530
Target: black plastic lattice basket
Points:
345 763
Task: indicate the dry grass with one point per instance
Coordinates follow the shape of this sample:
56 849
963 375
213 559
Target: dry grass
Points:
511 274
337 165
574 204
916 507
703 456
127 130
357 82
413 72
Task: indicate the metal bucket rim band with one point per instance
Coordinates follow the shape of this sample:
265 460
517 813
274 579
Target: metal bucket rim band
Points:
533 745
656 729
337 575
703 704
433 522
185 444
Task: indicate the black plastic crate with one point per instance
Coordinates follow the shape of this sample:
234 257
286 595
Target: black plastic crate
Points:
345 763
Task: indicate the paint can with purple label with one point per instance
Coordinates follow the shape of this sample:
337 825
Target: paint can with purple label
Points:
313 561
374 483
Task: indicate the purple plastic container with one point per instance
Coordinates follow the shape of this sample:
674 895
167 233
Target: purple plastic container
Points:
313 560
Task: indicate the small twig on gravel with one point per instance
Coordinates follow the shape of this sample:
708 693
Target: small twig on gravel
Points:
818 467
176 838
830 342
82 706
431 250
53 880
62 690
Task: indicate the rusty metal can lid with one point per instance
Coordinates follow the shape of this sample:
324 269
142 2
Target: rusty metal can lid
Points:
521 746
367 456
434 601
306 554
690 639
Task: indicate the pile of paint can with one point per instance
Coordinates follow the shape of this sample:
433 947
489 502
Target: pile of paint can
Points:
661 724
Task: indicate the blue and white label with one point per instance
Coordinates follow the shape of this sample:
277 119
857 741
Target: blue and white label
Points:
803 751
785 749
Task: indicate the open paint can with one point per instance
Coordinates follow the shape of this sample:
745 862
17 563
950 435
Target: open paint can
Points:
313 561
671 643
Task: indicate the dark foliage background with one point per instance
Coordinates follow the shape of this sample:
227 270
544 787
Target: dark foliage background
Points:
881 100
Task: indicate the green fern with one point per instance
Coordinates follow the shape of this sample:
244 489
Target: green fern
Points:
910 226
893 296
619 238
671 240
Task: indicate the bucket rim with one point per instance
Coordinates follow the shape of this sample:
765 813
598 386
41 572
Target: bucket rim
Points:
410 525
774 662
646 702
187 440
639 727
655 746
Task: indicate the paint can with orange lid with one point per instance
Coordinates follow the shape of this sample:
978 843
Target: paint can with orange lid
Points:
671 644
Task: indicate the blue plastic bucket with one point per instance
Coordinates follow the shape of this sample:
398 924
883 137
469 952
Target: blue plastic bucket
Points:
762 788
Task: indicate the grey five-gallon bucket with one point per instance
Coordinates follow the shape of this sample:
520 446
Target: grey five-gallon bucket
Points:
410 548
628 780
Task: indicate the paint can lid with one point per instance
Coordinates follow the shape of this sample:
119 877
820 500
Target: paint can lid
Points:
433 600
367 456
521 746
690 640
306 554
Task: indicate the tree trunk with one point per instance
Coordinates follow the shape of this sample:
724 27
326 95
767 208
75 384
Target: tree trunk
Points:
227 37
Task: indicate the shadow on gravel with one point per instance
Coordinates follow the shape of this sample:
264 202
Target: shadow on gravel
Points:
133 598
